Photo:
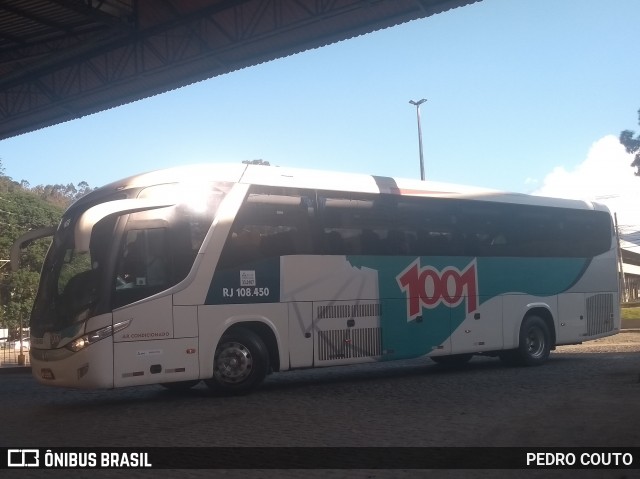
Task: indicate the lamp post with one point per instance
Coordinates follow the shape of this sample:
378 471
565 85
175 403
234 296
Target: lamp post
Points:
417 105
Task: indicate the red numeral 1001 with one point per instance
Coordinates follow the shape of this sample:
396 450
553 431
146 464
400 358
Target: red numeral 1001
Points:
427 287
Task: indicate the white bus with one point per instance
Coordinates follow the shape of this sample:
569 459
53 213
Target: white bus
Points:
225 273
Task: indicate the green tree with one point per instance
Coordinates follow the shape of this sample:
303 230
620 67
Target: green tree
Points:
21 211
21 288
632 145
23 208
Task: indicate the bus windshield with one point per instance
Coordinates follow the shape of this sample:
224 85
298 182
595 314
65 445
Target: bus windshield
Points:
68 287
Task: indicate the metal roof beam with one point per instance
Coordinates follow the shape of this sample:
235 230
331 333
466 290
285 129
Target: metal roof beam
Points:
11 8
99 15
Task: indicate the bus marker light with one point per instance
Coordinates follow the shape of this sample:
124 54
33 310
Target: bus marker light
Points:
191 351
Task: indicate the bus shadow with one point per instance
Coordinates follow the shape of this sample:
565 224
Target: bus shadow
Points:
299 380
365 373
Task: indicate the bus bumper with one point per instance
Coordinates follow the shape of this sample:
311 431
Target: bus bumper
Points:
89 368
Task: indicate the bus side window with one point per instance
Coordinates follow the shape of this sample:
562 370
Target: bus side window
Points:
272 222
350 224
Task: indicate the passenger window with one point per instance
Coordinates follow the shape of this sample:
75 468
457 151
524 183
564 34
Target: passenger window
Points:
387 225
272 222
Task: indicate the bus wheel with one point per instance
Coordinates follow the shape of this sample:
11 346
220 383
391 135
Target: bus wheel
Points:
180 385
240 363
452 360
535 343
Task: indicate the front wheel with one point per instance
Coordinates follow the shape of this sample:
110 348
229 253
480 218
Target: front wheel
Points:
535 344
240 362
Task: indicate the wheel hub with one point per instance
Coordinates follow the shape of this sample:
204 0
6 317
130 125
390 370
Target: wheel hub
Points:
535 343
233 362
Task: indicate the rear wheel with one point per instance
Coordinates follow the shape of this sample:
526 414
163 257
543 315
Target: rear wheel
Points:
534 346
240 362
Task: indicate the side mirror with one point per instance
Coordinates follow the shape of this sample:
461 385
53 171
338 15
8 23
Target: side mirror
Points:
24 241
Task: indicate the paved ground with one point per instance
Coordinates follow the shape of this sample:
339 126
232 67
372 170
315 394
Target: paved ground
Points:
587 395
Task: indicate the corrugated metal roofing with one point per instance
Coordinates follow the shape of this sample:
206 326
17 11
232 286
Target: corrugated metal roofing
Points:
63 59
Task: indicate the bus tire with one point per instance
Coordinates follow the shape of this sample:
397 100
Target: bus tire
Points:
180 385
240 362
452 360
534 346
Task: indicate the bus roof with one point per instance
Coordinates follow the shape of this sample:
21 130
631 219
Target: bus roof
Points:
334 181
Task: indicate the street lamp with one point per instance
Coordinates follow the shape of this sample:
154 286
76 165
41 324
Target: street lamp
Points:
417 105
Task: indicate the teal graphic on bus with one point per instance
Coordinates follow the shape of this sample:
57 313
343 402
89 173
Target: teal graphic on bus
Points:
452 288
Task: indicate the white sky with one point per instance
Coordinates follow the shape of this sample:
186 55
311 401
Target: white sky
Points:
605 176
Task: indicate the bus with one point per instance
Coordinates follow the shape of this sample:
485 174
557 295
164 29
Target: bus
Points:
227 273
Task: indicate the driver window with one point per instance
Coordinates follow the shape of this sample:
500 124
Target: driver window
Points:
143 268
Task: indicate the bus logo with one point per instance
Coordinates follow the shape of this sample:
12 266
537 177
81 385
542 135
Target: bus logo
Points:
426 287
54 339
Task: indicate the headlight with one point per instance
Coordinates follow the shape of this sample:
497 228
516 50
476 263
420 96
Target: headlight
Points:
95 336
